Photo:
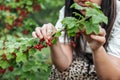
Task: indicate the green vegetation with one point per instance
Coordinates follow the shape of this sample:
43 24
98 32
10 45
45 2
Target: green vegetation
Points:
18 18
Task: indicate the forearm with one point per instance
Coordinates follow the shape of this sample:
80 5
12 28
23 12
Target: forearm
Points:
105 67
59 57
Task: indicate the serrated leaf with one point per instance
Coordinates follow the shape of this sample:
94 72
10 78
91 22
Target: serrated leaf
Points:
81 25
71 34
58 33
29 66
10 50
21 57
9 56
91 28
29 2
91 12
72 31
32 51
76 6
54 40
23 47
4 64
94 5
97 16
69 22
96 29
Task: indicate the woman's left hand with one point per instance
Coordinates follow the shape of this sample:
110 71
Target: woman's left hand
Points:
96 41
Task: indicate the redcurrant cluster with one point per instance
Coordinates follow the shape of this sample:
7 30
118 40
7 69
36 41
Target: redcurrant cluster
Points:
21 11
73 43
42 43
4 58
2 71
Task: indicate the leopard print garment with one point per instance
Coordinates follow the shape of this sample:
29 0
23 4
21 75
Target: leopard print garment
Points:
80 69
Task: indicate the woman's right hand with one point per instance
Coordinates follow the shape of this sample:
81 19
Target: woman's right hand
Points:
45 32
61 54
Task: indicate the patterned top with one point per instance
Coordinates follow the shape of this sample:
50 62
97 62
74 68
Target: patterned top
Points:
113 47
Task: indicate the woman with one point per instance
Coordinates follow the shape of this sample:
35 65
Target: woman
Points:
96 56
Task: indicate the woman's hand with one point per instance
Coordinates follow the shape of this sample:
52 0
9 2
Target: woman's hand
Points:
96 41
61 54
45 32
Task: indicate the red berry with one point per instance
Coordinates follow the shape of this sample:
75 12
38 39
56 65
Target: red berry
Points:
41 40
17 23
19 9
20 19
49 40
73 44
2 71
16 78
23 13
8 8
11 68
28 48
9 27
49 43
78 35
4 57
39 46
25 32
36 7
1 7
14 55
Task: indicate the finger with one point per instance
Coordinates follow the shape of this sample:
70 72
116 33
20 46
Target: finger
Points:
100 39
44 31
34 34
49 29
52 29
38 32
102 32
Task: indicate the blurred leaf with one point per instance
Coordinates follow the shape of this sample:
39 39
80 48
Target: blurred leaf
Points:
21 57
4 64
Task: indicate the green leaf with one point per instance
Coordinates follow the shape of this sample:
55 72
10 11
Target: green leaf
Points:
69 22
29 66
23 47
9 56
96 29
76 6
80 25
71 34
4 64
32 51
1 44
21 57
72 31
91 28
97 16
29 2
58 33
10 50
54 40
93 5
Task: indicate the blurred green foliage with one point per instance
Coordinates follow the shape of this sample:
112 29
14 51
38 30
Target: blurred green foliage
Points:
50 12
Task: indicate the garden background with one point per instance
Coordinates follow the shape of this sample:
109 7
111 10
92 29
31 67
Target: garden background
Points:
19 60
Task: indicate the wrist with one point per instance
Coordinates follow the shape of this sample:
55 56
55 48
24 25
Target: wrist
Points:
99 50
